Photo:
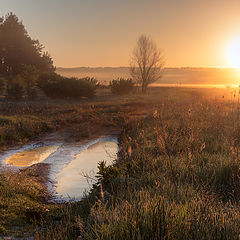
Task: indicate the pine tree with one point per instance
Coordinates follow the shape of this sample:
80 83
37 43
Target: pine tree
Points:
18 50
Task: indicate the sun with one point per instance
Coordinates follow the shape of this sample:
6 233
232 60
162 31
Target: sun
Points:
234 53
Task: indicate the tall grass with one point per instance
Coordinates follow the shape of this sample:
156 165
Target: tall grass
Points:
177 174
177 177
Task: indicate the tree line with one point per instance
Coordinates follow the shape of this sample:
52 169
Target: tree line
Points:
26 67
22 59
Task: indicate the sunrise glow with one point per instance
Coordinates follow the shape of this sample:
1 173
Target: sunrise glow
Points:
234 53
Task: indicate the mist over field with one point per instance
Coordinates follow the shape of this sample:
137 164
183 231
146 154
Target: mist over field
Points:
170 75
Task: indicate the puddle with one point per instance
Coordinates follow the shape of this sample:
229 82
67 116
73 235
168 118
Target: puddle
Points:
72 166
77 177
31 156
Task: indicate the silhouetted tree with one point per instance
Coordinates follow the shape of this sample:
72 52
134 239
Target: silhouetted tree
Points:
18 50
146 62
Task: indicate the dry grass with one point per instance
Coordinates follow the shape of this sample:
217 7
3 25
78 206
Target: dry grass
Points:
177 175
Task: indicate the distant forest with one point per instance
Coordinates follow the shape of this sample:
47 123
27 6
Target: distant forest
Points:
170 75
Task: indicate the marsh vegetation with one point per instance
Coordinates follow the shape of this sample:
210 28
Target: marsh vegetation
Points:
176 175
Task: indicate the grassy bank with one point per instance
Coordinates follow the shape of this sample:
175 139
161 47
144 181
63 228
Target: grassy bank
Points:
176 177
24 205
24 202
21 122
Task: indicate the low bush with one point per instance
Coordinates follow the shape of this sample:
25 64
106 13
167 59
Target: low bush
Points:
46 78
31 93
15 88
3 85
58 87
30 76
122 86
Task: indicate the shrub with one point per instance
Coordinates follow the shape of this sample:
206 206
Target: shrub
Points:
122 86
30 76
15 88
3 85
56 86
46 78
15 91
31 92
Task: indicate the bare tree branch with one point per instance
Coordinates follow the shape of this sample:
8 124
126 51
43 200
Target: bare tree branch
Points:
146 62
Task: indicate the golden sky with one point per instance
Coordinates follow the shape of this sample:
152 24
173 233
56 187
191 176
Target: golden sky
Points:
196 33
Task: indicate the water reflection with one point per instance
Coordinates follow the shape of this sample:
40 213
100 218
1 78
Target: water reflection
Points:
79 175
31 156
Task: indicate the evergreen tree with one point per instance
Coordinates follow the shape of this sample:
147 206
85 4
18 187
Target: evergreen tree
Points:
18 50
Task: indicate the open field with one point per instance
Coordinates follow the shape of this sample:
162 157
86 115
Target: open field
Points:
176 176
170 76
21 121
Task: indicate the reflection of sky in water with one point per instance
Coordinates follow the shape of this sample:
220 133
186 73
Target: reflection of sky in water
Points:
73 166
78 176
31 156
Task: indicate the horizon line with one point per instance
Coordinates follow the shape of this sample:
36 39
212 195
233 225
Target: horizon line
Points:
185 67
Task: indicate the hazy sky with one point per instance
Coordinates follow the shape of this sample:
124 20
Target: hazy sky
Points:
103 32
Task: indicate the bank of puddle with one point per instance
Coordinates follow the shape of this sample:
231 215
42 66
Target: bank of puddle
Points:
73 166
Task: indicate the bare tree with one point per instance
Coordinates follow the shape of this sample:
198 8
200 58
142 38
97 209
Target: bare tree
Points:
146 62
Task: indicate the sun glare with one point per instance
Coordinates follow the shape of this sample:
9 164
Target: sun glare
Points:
234 53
